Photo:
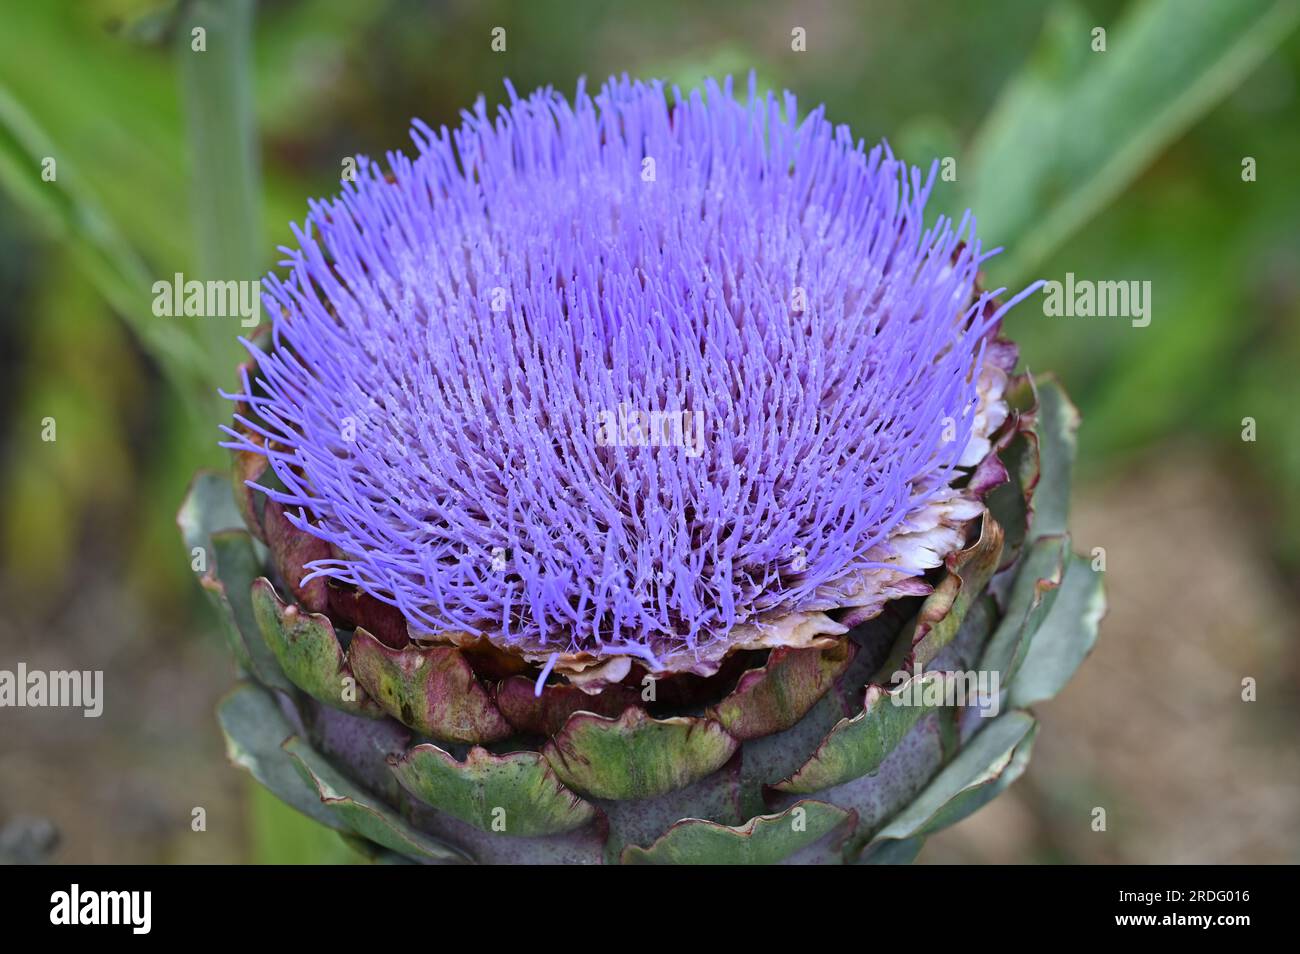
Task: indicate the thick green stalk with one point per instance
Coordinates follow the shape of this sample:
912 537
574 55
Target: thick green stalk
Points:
214 60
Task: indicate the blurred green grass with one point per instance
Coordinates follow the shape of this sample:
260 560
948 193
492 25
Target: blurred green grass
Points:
1117 165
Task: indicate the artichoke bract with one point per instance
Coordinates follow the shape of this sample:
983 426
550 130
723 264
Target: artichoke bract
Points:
640 479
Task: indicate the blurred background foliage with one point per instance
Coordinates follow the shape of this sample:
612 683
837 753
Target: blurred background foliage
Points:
1123 164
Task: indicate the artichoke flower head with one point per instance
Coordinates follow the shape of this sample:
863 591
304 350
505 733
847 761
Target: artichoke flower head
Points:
633 426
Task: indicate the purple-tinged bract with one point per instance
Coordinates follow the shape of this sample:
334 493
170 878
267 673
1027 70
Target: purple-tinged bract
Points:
617 375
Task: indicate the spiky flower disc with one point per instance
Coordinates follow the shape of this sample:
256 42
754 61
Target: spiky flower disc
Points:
470 351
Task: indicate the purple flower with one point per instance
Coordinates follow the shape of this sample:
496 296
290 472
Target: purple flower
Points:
634 376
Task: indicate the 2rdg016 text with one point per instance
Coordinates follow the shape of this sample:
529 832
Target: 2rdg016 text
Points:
1174 895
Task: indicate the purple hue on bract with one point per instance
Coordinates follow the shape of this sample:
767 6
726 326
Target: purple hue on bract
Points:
476 429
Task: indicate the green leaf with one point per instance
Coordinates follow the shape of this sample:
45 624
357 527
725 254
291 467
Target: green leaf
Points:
209 520
1078 126
308 651
892 851
776 695
209 506
113 116
255 728
635 756
432 689
765 840
975 797
69 210
1057 427
859 746
1064 638
235 564
1033 592
981 762
515 794
356 810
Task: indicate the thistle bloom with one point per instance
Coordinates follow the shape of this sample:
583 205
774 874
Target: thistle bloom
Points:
635 469
805 366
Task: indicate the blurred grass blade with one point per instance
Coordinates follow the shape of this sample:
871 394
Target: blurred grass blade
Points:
283 836
68 209
216 90
1078 126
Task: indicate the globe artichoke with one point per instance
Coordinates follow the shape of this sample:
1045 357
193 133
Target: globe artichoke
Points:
639 479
